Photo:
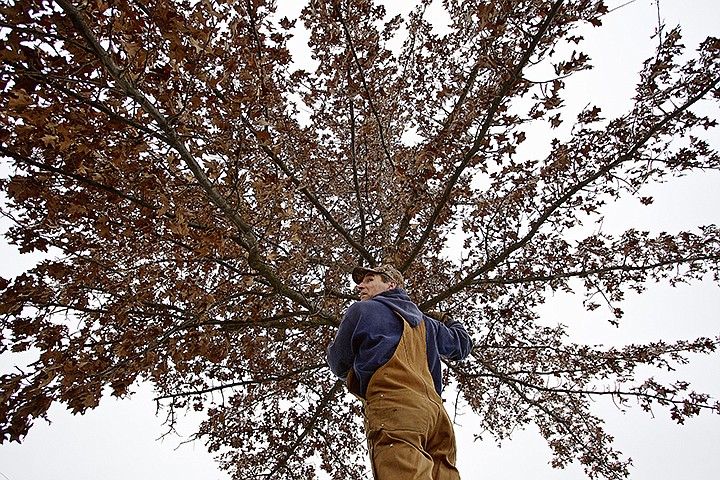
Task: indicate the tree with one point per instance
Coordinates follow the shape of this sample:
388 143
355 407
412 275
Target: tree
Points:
204 198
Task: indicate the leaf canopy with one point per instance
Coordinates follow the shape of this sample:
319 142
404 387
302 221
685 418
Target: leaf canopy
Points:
202 191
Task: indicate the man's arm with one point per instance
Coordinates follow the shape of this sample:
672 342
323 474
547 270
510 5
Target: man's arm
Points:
340 356
454 343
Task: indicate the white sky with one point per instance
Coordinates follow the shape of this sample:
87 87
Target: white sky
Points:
118 439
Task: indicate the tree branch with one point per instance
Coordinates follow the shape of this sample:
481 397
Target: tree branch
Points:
356 181
363 80
547 213
595 271
241 383
248 236
482 132
309 195
562 424
308 428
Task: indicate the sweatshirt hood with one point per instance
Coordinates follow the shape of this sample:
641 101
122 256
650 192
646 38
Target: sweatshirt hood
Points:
398 301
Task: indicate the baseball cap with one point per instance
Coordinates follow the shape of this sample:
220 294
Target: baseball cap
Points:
359 273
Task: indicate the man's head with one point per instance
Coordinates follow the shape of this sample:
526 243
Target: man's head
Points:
372 281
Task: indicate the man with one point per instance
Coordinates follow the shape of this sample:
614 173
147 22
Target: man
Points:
389 353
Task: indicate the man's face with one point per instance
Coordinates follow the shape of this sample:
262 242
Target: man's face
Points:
373 284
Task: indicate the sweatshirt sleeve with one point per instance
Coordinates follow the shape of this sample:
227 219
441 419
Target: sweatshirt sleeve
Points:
454 343
340 356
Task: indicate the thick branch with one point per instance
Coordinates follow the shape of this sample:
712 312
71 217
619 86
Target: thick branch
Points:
508 379
80 178
309 195
547 213
596 271
241 383
490 115
248 236
356 182
309 427
562 424
363 80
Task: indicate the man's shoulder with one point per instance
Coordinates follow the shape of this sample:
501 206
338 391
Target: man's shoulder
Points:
370 317
370 305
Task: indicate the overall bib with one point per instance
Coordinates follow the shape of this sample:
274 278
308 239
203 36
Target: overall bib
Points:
410 436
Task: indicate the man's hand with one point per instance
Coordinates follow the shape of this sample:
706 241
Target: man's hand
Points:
439 316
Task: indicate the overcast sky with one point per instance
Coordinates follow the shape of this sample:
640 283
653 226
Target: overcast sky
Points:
118 439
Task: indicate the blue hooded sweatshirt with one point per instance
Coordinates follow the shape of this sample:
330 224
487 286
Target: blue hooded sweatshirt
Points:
370 332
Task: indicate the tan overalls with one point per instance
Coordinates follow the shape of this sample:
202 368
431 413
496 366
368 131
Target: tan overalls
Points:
410 436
